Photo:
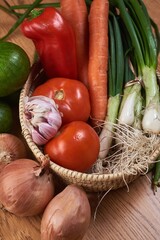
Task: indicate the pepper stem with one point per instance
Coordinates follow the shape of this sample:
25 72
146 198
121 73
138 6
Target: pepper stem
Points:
35 13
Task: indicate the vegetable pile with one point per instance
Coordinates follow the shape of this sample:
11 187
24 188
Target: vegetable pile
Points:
14 71
96 110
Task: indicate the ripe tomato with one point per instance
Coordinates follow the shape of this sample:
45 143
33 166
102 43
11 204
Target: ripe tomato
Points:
71 96
76 147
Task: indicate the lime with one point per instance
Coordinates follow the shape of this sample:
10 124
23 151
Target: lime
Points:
6 118
14 68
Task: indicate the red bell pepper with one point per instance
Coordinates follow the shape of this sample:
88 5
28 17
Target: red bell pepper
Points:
54 41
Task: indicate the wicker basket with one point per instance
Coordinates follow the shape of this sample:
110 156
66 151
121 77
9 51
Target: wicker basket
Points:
90 182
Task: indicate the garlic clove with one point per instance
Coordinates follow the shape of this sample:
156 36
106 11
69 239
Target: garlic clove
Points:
52 120
38 138
47 131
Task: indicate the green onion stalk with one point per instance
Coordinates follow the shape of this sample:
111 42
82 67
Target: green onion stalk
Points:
9 11
156 175
116 79
146 48
131 105
40 5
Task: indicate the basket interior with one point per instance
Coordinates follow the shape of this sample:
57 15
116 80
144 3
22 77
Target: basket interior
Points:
90 181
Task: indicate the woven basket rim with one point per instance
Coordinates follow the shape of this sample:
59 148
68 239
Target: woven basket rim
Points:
36 70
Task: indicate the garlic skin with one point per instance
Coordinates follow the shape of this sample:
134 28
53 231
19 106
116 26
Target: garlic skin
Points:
43 118
26 187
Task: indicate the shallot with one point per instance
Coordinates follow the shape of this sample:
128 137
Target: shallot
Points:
67 216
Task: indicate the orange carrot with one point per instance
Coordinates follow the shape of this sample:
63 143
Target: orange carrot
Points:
98 59
75 11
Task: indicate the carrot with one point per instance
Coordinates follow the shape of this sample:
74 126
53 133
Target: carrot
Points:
75 11
98 59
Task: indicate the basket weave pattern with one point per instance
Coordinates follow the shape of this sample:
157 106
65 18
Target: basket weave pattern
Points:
90 182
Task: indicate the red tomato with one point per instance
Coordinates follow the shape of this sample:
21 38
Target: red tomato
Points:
76 147
71 96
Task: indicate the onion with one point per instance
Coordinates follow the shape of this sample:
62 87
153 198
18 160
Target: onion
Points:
11 148
67 216
26 187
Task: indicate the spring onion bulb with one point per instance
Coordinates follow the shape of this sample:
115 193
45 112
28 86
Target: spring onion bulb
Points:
151 118
127 114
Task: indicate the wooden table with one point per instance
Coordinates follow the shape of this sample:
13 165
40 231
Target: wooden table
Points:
122 214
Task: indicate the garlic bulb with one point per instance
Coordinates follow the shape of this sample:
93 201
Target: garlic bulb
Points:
42 118
26 187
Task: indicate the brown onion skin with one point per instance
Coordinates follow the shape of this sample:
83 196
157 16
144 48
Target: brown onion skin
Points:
67 216
22 192
11 148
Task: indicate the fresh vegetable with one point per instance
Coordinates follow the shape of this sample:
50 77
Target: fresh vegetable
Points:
156 175
141 44
116 83
67 216
77 14
14 68
11 148
42 118
130 112
98 59
71 96
6 117
76 147
26 187
139 26
54 40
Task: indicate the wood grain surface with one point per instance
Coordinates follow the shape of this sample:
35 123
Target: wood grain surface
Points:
120 214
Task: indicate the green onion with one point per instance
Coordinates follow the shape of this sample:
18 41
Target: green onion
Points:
12 10
139 27
9 11
41 5
116 78
156 175
131 106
